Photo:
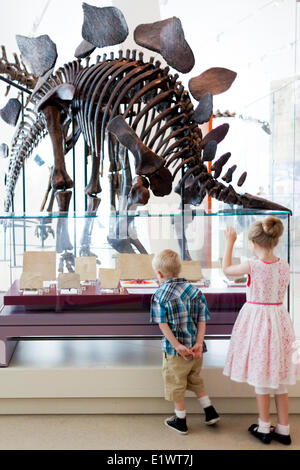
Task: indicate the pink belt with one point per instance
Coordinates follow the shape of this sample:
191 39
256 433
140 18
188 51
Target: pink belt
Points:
263 303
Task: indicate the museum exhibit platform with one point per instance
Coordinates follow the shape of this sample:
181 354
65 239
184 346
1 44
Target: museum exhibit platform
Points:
111 376
106 315
92 349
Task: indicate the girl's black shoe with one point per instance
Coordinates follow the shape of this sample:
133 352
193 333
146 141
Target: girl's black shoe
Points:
177 424
283 439
211 416
263 437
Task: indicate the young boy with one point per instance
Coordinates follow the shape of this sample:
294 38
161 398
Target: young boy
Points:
181 312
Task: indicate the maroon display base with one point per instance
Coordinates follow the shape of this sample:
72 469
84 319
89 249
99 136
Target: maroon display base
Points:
91 296
107 316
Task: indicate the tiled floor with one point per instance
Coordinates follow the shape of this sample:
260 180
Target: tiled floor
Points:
123 432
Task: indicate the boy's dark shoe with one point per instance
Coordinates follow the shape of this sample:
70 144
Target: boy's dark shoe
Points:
211 416
283 439
177 424
263 437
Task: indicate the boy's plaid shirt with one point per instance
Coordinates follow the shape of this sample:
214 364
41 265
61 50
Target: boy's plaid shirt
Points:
181 305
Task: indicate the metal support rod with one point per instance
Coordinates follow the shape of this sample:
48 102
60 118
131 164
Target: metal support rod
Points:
4 244
23 166
85 173
13 233
23 182
74 161
20 87
74 180
14 243
182 218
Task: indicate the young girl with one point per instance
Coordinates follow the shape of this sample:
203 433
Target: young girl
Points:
263 340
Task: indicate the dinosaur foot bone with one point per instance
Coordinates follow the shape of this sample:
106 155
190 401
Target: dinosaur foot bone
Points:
161 182
93 187
139 193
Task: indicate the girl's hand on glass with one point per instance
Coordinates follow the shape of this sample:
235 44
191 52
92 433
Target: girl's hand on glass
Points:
230 234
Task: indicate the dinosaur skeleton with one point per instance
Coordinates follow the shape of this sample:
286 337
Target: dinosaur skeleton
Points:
136 107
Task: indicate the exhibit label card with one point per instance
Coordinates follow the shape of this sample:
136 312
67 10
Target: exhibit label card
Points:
85 266
134 266
191 270
109 278
42 262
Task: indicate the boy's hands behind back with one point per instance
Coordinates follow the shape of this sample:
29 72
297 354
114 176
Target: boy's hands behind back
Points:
184 352
197 350
192 353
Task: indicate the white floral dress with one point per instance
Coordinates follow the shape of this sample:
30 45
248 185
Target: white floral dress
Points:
262 349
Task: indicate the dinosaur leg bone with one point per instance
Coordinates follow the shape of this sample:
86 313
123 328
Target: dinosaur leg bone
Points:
93 186
146 161
86 238
126 179
63 242
60 177
181 237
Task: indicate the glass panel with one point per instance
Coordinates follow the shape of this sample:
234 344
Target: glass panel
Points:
195 236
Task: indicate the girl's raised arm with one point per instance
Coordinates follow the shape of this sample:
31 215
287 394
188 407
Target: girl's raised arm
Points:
228 268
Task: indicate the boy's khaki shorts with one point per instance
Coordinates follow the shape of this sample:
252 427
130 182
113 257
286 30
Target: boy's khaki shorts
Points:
180 375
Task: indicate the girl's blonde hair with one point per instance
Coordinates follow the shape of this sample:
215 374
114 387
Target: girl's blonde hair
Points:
168 263
266 233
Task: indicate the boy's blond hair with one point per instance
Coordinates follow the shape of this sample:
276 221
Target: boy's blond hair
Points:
168 263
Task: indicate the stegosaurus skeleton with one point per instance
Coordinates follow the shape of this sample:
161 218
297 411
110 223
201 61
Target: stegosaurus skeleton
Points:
138 107
146 91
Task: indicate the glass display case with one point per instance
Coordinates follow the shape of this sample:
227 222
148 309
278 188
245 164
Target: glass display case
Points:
197 235
87 275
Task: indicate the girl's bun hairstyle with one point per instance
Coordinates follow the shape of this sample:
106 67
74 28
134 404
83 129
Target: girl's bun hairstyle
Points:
272 227
266 233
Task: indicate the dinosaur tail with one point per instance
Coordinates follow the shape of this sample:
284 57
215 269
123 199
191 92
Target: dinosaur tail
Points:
26 138
33 128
